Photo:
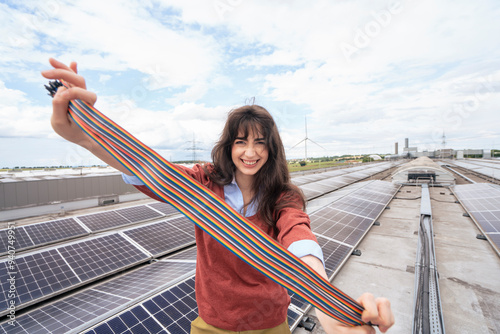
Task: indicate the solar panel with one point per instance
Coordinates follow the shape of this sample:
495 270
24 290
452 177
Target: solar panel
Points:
103 220
136 320
37 277
65 315
138 213
293 318
55 230
164 237
175 308
148 279
164 208
19 239
298 302
359 206
100 256
84 308
186 255
334 253
338 225
170 311
482 201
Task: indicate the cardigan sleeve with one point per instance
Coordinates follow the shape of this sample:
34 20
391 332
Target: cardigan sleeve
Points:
294 226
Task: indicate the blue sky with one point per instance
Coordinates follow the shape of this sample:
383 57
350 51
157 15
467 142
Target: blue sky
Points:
366 74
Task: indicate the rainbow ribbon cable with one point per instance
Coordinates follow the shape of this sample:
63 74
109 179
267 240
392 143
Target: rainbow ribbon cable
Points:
213 215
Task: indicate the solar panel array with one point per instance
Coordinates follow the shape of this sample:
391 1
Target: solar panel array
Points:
50 272
83 309
482 202
490 169
316 185
170 311
44 233
124 304
164 237
39 234
340 226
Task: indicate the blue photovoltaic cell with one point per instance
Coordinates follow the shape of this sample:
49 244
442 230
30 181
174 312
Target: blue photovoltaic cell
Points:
163 237
36 276
164 208
175 308
135 321
338 225
101 256
138 213
293 318
145 280
103 220
482 201
84 307
66 314
21 239
54 230
333 254
298 301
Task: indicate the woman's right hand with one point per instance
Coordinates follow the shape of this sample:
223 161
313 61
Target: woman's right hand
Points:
61 121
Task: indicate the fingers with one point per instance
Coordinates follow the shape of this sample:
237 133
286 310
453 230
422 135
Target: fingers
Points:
64 95
72 65
377 311
61 71
385 313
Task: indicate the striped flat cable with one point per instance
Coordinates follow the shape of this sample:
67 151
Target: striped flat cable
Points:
212 214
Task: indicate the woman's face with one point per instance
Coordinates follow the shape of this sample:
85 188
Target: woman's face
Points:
249 154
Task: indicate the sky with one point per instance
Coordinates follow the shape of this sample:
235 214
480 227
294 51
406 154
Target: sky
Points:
363 74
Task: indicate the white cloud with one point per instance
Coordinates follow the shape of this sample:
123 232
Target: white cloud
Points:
416 69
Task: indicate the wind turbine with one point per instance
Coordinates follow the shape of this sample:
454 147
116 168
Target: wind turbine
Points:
305 141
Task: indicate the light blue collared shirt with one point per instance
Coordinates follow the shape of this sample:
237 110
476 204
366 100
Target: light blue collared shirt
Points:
234 197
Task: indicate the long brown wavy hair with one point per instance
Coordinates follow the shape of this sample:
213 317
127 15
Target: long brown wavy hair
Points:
272 183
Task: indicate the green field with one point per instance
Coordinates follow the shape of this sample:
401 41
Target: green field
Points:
314 165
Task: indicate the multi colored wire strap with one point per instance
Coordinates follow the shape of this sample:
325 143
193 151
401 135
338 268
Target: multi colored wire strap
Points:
212 214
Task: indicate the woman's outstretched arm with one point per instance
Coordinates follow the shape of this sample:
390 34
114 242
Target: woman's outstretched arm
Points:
377 311
62 123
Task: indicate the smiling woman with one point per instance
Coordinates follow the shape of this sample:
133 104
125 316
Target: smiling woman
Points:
249 172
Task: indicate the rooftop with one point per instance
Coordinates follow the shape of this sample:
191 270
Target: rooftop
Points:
468 267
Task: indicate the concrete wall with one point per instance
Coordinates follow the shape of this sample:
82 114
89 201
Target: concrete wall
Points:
27 193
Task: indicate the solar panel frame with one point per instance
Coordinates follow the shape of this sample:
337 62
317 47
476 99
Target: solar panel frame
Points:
108 253
104 299
335 254
55 231
293 317
102 221
185 255
163 237
22 240
165 208
37 277
139 213
478 200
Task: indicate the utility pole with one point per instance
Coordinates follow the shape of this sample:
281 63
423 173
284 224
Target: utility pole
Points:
194 148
